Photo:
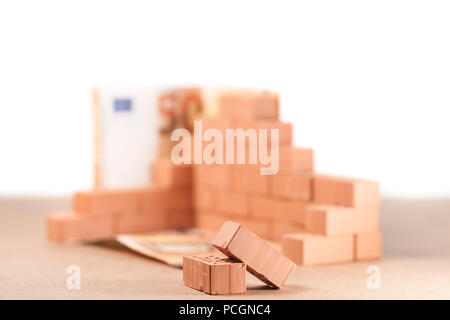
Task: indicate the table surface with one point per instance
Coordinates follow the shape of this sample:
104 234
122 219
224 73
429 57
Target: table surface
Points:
415 263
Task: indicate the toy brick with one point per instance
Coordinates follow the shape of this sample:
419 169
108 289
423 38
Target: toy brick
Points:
285 131
66 227
220 176
201 175
261 105
257 183
366 219
281 228
292 186
263 261
204 198
290 210
330 220
345 192
168 174
367 246
206 219
105 202
180 219
249 180
180 198
209 123
152 198
293 160
141 223
214 274
233 203
262 207
259 226
307 249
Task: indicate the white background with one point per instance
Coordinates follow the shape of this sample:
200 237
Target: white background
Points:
366 83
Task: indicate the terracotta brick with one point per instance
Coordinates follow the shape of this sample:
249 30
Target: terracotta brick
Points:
262 207
292 186
141 223
345 191
288 210
258 184
208 220
105 202
261 227
330 220
152 198
67 226
220 176
249 105
202 175
281 228
367 246
180 199
204 198
308 250
366 220
294 160
263 261
181 219
169 175
233 203
285 131
214 274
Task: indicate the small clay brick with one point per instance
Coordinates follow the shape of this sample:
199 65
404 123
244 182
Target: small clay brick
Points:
308 250
259 226
280 228
220 176
249 105
366 219
144 222
367 246
180 198
330 220
290 210
202 175
169 175
105 202
262 207
180 219
257 183
209 220
233 203
345 192
66 227
292 186
214 274
295 160
204 198
152 198
285 132
263 261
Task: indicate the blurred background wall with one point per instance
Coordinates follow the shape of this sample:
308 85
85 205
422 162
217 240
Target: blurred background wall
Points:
366 84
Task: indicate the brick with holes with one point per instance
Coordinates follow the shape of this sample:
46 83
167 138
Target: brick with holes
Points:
263 261
214 274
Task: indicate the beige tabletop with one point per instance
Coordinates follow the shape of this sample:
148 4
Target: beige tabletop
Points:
415 263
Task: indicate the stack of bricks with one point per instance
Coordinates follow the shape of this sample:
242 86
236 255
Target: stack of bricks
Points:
102 214
319 219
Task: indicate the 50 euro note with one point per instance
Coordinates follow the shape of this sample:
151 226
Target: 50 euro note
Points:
169 246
